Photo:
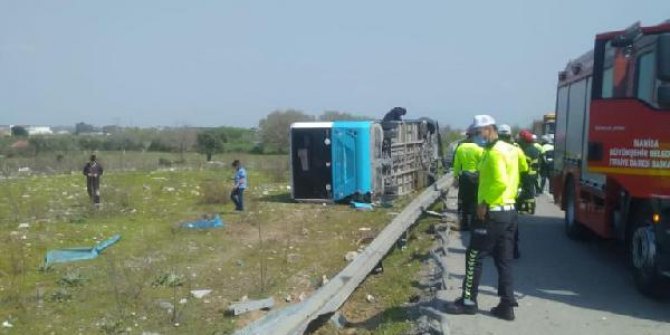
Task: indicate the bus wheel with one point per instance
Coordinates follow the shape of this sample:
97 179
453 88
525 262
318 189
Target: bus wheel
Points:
573 228
643 257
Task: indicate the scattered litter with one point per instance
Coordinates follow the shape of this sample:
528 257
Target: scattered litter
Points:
200 293
251 305
350 256
183 301
78 254
302 296
24 225
24 169
364 229
369 298
166 305
204 223
434 213
288 298
324 280
168 189
7 324
361 206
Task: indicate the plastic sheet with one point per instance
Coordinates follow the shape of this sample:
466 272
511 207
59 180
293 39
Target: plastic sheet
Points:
78 254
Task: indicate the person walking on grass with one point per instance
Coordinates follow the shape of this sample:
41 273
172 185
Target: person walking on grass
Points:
93 171
240 179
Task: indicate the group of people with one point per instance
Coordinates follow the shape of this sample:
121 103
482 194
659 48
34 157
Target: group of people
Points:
93 171
497 177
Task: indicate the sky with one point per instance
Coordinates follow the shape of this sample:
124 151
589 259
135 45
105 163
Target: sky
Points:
212 63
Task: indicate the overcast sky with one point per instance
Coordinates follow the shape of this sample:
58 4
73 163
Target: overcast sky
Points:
210 63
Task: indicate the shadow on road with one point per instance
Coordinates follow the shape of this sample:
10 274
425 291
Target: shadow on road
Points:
590 274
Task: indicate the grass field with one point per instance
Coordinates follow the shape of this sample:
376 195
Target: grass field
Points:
143 283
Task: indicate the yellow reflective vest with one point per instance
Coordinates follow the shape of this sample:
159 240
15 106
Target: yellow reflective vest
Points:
467 157
498 174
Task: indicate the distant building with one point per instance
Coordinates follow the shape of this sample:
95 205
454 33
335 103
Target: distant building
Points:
39 130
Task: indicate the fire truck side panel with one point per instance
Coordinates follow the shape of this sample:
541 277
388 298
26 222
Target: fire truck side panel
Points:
632 147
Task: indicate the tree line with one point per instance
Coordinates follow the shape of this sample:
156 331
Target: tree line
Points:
270 137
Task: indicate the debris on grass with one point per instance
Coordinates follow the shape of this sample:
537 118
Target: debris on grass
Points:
200 293
205 223
370 298
78 254
361 206
250 305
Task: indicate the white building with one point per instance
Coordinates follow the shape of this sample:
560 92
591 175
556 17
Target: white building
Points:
39 130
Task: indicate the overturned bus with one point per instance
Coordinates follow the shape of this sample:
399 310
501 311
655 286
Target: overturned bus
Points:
362 160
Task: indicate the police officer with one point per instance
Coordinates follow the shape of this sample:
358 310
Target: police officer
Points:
546 160
505 134
466 160
493 233
529 182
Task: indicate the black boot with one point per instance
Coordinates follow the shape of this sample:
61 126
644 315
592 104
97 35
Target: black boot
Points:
458 307
503 311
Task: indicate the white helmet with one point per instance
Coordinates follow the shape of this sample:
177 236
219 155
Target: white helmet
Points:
505 130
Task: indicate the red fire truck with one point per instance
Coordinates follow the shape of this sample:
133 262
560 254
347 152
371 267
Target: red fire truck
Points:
612 147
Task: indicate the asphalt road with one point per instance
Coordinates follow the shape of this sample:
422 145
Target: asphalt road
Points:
563 286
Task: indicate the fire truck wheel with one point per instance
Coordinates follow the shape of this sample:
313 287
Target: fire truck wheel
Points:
573 228
643 257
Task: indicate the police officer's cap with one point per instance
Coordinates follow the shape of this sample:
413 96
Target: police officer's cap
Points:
480 121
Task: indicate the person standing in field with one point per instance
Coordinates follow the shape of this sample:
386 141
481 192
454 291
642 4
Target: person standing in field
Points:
93 170
240 184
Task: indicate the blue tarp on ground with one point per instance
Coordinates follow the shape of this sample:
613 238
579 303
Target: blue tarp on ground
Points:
361 206
214 222
78 254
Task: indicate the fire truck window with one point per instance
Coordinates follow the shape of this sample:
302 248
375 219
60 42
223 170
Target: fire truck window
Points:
608 83
646 78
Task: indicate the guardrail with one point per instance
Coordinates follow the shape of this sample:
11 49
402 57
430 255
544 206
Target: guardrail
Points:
296 318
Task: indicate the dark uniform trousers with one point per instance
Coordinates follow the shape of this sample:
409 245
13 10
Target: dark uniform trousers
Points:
467 196
495 237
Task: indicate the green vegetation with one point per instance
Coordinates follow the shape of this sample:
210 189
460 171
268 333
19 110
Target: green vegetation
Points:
143 282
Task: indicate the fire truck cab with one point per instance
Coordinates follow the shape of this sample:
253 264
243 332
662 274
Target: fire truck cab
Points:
612 147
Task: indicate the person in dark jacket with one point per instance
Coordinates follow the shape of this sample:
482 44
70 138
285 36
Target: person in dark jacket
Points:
395 114
93 171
